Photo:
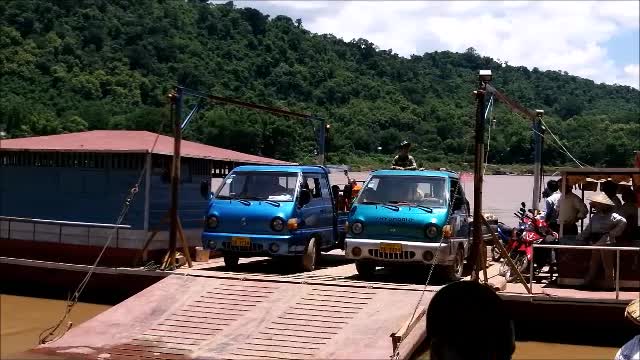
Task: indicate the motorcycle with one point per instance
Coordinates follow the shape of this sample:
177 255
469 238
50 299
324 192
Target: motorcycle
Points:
534 229
505 233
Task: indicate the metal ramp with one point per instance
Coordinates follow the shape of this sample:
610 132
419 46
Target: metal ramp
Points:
239 316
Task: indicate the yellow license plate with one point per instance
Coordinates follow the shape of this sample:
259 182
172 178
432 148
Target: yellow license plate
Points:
240 241
391 248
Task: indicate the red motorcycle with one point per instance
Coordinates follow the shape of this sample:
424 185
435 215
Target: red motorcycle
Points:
532 229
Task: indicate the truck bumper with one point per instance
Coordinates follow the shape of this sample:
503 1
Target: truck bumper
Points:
412 252
260 245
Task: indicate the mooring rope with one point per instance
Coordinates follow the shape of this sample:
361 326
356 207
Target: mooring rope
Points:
73 300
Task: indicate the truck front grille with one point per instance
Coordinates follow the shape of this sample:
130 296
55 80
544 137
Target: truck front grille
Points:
252 248
405 255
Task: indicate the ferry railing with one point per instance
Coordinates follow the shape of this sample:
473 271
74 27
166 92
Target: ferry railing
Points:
617 249
35 222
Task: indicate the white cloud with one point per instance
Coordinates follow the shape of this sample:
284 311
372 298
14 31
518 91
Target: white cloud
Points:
632 71
553 35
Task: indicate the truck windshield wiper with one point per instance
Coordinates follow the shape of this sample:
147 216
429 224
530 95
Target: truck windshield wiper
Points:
272 202
371 203
257 198
425 208
390 205
242 201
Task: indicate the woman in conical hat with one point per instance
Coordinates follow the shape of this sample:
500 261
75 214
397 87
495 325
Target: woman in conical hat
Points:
631 350
633 312
603 228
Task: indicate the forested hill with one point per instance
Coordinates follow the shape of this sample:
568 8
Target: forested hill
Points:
71 65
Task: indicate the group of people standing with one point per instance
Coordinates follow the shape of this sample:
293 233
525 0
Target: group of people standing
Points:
612 220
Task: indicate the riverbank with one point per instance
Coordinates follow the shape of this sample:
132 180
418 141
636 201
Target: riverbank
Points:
367 164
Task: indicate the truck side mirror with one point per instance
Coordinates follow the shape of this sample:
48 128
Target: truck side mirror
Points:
205 189
304 197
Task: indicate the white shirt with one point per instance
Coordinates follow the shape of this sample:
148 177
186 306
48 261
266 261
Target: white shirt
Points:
551 211
571 209
630 350
610 223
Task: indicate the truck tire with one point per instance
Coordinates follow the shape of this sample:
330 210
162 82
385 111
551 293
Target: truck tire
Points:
454 272
231 261
365 269
310 256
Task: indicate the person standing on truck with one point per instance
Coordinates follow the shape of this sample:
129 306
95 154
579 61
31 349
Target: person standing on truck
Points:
404 161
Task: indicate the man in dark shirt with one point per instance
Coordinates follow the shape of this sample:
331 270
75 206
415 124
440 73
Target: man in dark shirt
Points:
404 161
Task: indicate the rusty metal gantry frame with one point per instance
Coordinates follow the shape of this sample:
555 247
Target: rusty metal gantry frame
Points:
176 98
484 88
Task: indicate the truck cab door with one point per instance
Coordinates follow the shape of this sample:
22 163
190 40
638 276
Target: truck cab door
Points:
318 213
459 210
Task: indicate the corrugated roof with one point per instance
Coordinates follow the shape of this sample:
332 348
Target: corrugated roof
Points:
127 141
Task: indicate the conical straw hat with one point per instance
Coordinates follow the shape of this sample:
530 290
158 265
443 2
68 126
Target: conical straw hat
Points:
633 311
601 198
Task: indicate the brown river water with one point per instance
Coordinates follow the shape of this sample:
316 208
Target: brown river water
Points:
24 318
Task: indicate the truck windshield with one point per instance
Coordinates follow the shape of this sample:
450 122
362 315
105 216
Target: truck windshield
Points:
416 190
259 185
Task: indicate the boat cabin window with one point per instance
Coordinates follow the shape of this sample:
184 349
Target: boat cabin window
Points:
259 185
418 190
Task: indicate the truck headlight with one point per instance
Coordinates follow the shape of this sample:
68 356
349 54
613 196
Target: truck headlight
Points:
431 231
357 228
212 222
277 224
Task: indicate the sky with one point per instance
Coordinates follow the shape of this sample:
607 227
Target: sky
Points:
594 40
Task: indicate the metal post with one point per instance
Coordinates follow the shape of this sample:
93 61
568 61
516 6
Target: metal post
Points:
476 245
617 274
175 176
537 169
321 141
564 183
582 220
533 248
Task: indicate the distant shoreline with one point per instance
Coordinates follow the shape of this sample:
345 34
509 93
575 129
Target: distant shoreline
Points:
512 170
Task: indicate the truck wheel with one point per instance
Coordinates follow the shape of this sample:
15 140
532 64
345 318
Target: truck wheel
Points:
365 269
454 272
310 256
231 261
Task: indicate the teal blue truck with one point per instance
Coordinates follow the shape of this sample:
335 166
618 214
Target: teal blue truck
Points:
410 217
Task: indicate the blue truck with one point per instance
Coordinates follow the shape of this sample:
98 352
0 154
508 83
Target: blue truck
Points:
275 211
410 217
